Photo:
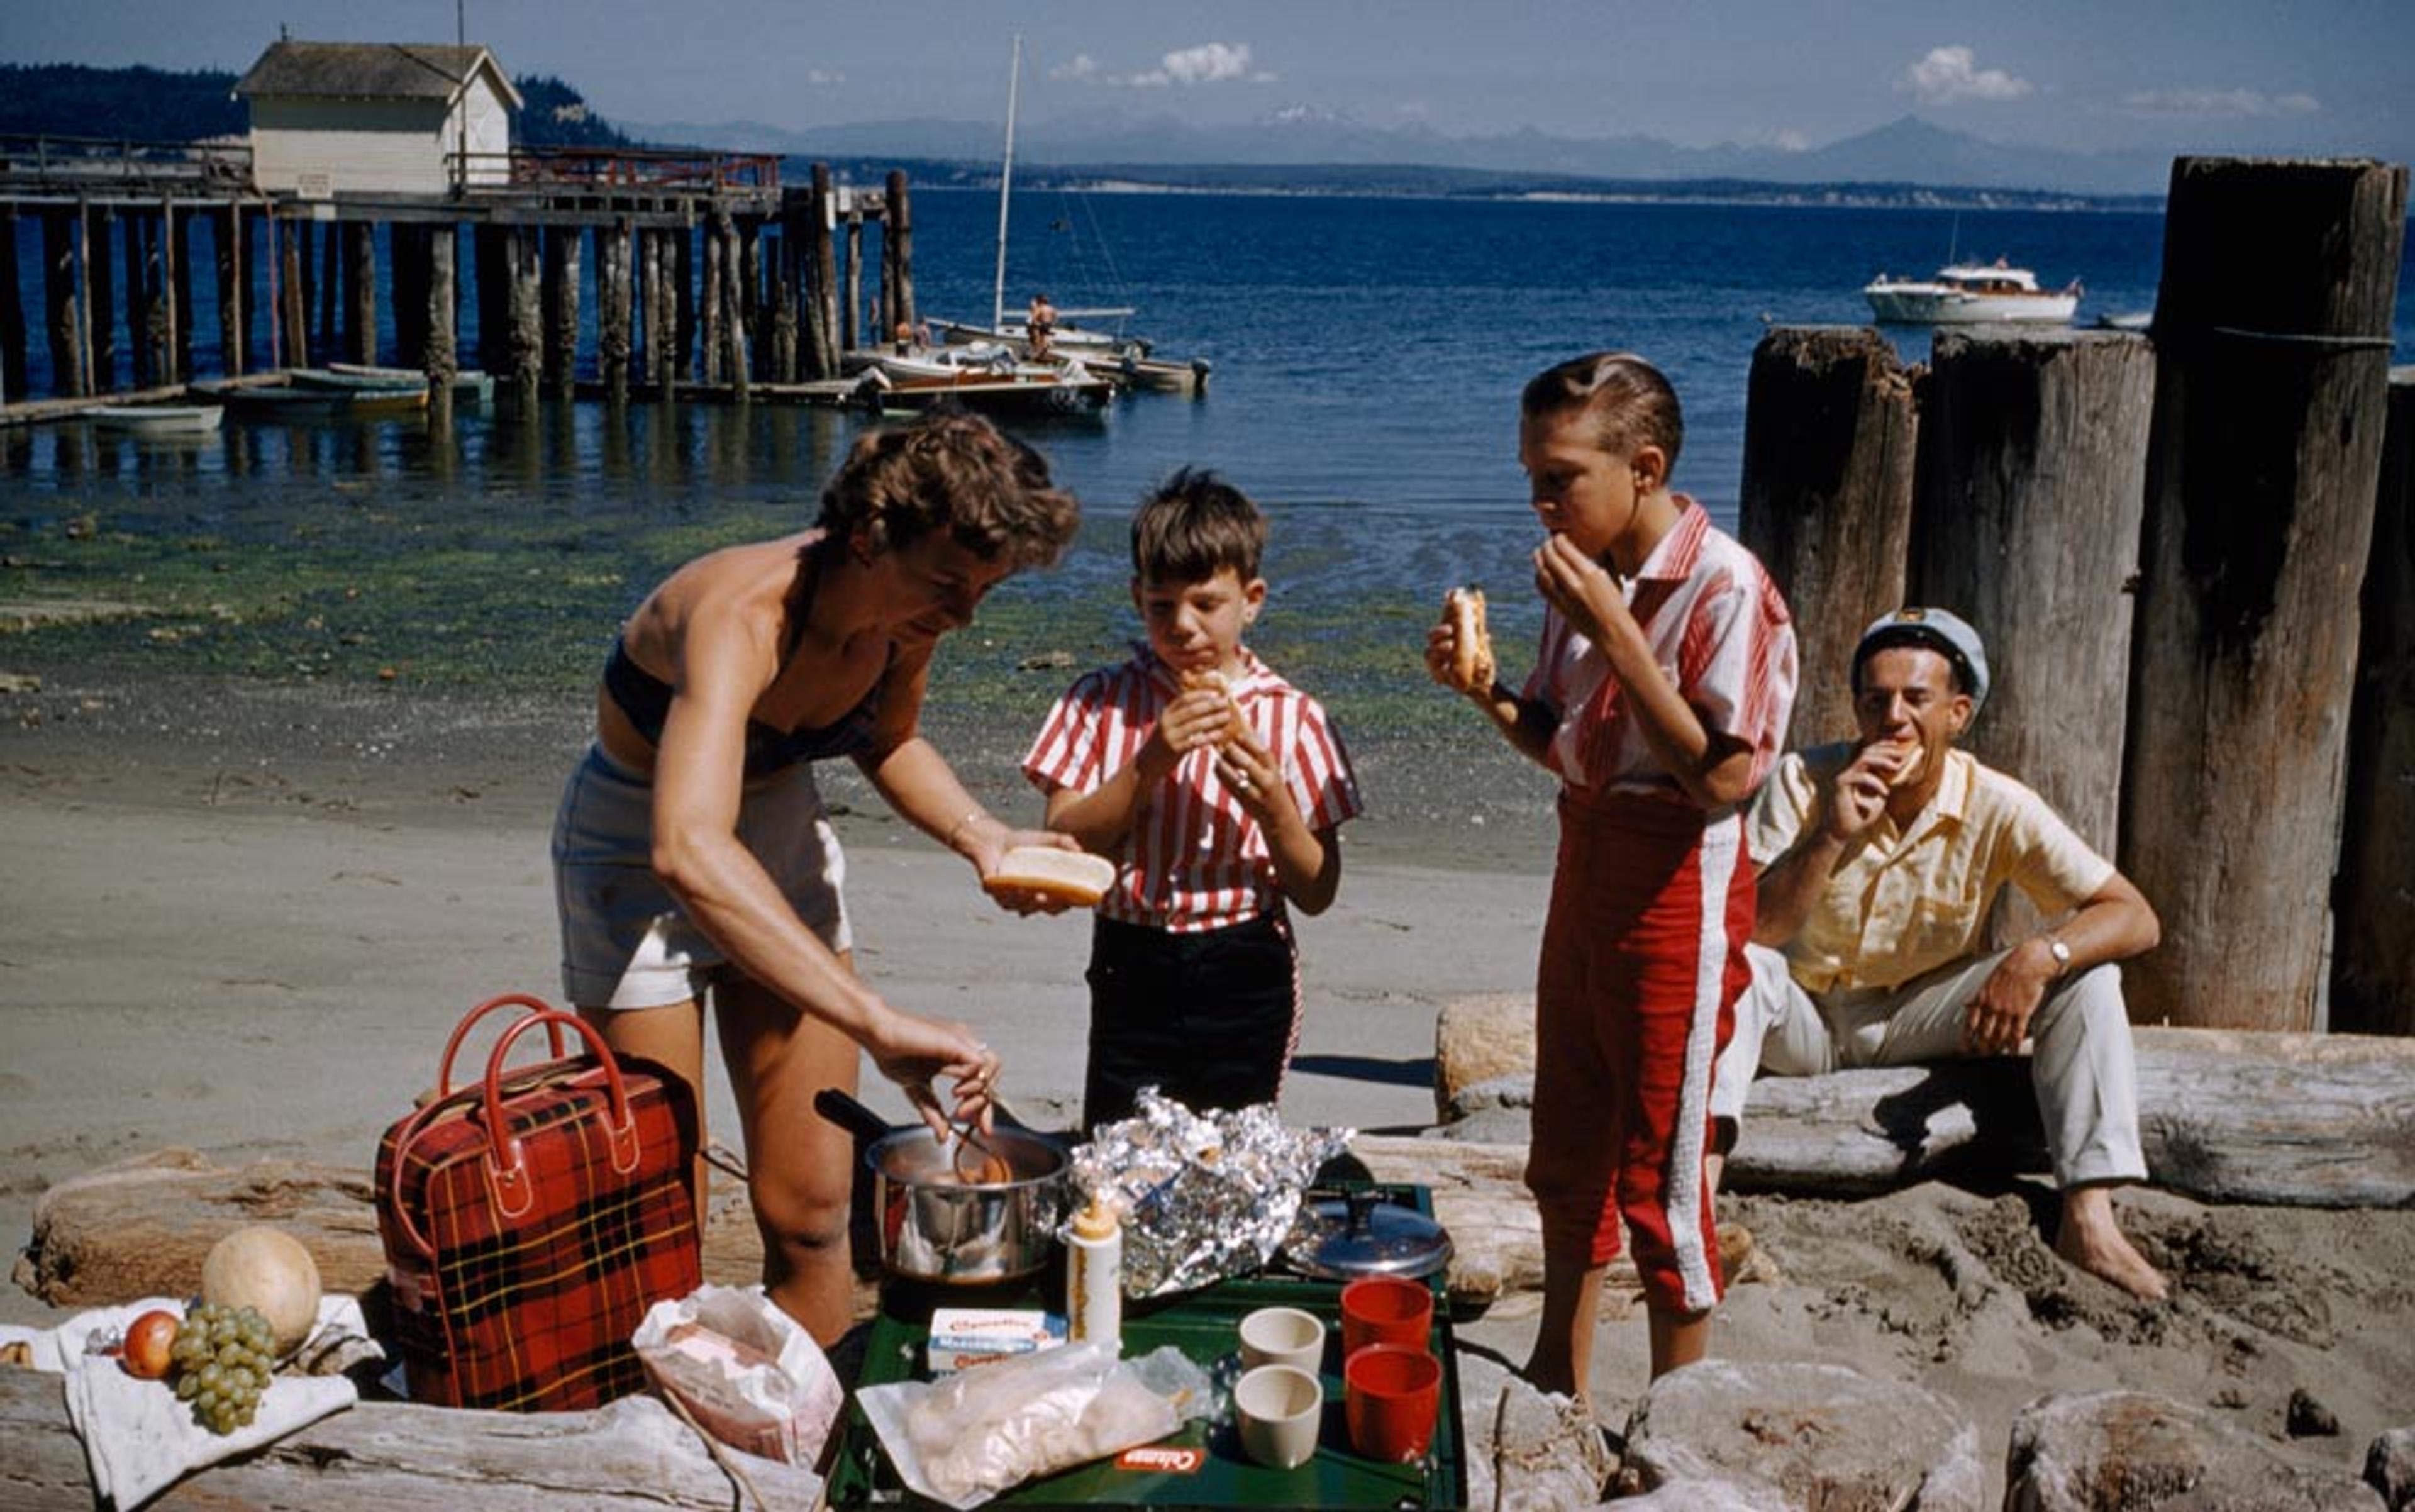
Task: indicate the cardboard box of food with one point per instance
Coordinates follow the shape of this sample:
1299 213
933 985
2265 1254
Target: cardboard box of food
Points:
969 1336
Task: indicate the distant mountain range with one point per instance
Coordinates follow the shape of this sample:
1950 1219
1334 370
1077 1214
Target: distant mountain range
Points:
1904 152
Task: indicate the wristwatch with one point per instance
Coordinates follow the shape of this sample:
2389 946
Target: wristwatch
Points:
2062 954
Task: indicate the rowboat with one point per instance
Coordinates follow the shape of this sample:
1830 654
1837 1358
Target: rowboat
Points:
1070 393
295 401
159 419
1969 292
468 384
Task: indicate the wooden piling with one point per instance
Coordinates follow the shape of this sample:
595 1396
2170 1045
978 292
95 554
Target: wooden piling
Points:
2272 340
443 358
897 245
1826 502
2031 480
293 237
12 311
64 310
177 232
750 288
712 276
525 245
561 306
684 298
359 243
146 306
733 314
2373 967
825 273
613 295
849 337
330 290
230 269
99 233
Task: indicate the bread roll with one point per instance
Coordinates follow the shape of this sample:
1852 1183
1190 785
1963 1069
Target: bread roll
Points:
1196 678
1911 753
1074 876
1471 662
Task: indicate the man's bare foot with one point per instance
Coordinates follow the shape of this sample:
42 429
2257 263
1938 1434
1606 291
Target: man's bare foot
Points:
2090 1238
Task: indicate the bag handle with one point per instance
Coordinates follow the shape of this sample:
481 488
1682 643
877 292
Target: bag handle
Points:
461 1032
554 1021
506 1164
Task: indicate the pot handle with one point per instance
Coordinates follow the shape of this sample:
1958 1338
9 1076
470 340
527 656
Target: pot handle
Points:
850 1115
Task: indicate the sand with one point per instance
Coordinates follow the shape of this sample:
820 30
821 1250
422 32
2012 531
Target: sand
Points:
243 920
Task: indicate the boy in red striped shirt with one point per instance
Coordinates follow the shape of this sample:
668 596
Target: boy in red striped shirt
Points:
1219 790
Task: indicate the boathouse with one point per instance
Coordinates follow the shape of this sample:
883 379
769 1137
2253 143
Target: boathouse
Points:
332 118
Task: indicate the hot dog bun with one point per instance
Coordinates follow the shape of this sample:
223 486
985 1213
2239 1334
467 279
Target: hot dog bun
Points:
1471 663
1075 876
1208 677
1912 760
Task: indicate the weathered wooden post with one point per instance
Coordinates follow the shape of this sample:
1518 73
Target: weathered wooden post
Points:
158 301
293 235
898 239
2373 968
825 271
684 298
612 295
561 306
733 314
63 310
99 232
177 225
12 311
524 252
750 305
142 303
2031 480
712 276
850 338
229 268
1826 502
442 357
2273 350
331 287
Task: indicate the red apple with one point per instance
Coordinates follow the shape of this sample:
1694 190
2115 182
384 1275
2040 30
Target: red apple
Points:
149 1339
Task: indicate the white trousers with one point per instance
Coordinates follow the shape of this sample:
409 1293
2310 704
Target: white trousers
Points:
2081 1067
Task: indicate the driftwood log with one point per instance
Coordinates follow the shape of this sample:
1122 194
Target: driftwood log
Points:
394 1457
2225 1114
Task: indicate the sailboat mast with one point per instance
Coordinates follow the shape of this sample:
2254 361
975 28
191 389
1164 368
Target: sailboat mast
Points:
1005 187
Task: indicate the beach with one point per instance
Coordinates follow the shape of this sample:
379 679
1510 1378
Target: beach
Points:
243 918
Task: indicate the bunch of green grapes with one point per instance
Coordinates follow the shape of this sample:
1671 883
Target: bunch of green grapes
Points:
224 1356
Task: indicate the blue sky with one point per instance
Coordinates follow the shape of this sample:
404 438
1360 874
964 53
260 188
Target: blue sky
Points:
2313 76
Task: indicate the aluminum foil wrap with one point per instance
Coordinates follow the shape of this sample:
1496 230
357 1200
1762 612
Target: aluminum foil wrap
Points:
1203 1196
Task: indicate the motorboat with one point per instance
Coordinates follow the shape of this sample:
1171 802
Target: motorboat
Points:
468 383
158 419
1969 292
1027 389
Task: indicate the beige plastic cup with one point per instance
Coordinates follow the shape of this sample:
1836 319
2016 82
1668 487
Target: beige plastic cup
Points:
1281 1407
1282 1336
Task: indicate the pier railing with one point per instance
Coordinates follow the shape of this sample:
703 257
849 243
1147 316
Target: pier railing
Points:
617 171
36 166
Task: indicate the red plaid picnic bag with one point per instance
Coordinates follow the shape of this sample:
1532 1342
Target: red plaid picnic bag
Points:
529 1221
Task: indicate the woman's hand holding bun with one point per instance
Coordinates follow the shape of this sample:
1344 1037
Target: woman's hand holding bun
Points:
1458 651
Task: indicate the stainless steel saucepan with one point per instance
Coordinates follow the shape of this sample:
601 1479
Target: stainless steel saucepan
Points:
935 1224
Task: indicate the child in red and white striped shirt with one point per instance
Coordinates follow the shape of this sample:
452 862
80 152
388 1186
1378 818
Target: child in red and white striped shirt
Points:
1219 790
1659 697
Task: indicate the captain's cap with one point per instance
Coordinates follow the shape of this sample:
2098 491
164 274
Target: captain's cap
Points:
1939 630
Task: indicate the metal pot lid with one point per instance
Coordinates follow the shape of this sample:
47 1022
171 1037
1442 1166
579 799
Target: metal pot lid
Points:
1365 1234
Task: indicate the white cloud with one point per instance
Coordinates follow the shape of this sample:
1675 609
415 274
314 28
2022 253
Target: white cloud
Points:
824 76
2224 103
1786 138
1080 66
1207 64
1948 74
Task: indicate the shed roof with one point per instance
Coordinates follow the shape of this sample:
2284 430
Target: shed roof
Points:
371 70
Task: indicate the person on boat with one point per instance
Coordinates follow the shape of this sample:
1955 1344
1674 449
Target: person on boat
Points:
1040 326
692 854
1879 861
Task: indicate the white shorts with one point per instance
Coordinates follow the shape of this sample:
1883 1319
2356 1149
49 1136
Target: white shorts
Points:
625 940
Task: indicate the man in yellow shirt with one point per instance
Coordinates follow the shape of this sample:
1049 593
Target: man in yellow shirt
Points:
1879 860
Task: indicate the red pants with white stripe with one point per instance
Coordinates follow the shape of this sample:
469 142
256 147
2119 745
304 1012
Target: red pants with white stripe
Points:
1642 962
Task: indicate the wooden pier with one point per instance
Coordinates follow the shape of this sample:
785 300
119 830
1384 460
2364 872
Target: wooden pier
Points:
707 270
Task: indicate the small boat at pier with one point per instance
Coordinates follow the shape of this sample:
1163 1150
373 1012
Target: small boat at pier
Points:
1068 393
468 384
1969 293
299 401
158 419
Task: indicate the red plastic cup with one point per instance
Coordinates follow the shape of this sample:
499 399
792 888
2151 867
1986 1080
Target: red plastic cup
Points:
1384 1309
1390 1393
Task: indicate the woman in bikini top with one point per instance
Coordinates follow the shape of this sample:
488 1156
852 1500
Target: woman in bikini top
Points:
816 645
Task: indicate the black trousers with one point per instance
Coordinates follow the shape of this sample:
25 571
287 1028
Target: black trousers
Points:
1207 1018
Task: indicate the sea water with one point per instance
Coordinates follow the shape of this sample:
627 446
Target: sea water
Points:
1367 355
